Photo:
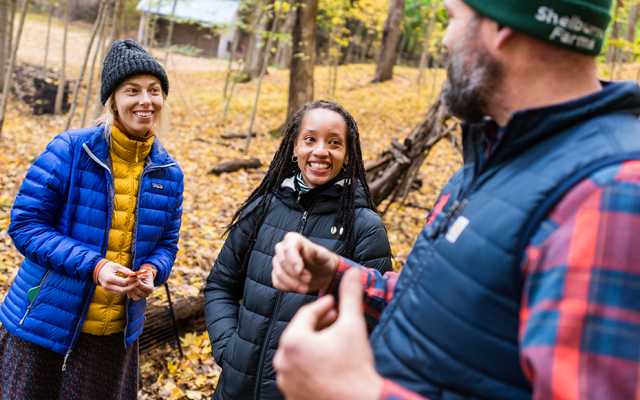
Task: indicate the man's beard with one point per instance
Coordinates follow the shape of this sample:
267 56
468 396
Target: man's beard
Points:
473 79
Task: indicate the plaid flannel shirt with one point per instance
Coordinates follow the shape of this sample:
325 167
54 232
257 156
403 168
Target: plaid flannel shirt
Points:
580 311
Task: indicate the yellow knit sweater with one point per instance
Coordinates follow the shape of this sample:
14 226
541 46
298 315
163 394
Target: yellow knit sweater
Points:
106 313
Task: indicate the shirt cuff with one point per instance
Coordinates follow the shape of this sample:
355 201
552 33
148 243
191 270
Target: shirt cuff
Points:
343 266
393 391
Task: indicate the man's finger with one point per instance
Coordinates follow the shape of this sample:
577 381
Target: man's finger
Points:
351 294
308 316
281 259
282 281
327 319
316 254
292 261
278 361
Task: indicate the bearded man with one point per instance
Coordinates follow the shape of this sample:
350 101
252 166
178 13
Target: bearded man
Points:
525 282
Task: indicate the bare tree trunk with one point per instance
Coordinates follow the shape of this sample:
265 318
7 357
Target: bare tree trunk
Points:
303 56
12 63
614 52
61 76
227 93
96 27
119 14
425 44
149 30
167 44
267 57
283 55
47 40
114 21
105 46
391 175
333 83
99 45
364 46
367 50
254 55
227 103
142 25
5 9
146 24
13 5
352 44
390 39
234 50
634 14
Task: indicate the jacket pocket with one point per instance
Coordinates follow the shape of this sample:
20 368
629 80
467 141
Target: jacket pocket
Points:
33 295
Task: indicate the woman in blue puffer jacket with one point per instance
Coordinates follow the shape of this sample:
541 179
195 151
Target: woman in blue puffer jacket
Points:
97 219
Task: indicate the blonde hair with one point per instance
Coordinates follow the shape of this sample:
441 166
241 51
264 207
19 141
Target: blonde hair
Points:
110 112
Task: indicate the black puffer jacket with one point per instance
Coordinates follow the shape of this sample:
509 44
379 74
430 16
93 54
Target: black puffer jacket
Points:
245 315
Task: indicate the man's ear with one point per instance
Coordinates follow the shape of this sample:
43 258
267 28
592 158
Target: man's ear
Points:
503 35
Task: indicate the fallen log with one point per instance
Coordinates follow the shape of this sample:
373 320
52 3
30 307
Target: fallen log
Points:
230 135
392 175
235 165
159 328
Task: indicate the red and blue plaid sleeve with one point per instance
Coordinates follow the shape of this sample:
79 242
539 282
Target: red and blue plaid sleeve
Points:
378 288
580 315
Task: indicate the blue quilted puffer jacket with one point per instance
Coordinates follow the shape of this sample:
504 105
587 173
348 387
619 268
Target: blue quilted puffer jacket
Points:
60 223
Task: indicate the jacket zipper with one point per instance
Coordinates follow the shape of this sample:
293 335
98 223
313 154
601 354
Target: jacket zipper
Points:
87 302
263 352
32 302
462 200
146 169
104 245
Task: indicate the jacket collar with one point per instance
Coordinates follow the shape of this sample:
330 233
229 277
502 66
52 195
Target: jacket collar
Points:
322 199
128 149
98 146
486 142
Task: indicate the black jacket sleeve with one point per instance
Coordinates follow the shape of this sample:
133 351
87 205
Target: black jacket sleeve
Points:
372 244
225 285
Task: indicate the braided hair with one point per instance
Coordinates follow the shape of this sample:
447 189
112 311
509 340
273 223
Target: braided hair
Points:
282 167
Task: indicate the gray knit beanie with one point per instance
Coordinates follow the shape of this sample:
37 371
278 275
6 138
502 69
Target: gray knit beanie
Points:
124 59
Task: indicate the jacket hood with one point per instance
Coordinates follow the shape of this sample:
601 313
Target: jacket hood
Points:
323 199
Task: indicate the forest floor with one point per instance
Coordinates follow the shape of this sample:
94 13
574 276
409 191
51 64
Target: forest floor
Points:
383 111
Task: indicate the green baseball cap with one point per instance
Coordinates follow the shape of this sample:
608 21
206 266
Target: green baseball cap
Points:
578 25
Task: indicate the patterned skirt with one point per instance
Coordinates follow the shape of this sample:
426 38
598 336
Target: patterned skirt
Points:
99 367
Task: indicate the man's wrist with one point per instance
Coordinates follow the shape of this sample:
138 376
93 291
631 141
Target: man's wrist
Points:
391 390
335 266
374 387
368 387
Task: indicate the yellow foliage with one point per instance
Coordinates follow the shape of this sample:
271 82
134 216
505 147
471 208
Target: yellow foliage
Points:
383 111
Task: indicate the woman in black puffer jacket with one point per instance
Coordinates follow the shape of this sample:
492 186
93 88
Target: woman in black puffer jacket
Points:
316 186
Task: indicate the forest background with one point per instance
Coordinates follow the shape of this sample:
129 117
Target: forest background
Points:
381 59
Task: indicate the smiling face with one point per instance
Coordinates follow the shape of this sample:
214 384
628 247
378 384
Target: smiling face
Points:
139 101
321 146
